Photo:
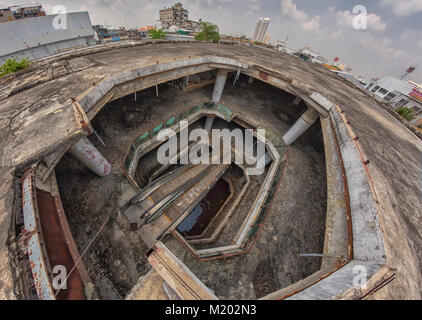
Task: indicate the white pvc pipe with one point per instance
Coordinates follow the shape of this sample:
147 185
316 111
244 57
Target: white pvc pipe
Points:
85 152
305 121
220 82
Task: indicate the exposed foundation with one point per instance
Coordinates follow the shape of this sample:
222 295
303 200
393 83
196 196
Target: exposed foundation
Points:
367 221
117 259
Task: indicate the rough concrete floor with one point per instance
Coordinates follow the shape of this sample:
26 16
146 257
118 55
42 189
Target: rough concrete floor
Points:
295 223
37 115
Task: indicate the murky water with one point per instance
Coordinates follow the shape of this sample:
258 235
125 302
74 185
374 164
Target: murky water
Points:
196 222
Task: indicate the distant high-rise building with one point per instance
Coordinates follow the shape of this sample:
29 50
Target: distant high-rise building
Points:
176 15
257 29
173 16
267 39
263 30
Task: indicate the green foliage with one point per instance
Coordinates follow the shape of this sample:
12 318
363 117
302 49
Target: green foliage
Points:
157 34
11 66
210 32
405 113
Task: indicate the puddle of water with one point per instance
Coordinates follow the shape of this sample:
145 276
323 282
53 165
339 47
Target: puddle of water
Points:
196 222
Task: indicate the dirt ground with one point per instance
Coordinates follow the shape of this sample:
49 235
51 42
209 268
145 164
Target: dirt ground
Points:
295 223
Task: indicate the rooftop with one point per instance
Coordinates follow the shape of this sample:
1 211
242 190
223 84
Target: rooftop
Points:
48 107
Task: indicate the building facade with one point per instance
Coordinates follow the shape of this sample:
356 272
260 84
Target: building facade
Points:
267 39
398 93
21 12
38 37
257 28
261 29
177 16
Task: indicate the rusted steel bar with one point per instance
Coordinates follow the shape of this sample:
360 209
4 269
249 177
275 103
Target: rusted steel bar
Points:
379 286
57 246
31 234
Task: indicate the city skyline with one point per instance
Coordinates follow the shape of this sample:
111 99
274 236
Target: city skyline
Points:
390 45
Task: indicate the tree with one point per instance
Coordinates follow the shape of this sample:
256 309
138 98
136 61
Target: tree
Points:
210 32
405 113
11 66
157 34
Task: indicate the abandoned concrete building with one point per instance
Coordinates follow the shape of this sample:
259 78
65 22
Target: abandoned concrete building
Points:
81 190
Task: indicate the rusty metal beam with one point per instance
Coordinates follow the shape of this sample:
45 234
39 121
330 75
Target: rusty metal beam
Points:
32 239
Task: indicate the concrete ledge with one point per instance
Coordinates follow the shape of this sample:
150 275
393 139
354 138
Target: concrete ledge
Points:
336 229
368 242
339 282
369 258
6 203
91 98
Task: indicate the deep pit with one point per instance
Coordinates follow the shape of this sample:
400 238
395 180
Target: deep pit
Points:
198 220
294 224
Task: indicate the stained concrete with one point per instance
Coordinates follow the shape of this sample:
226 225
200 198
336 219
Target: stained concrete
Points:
37 117
86 205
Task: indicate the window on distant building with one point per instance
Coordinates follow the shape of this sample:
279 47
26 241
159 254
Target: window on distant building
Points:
375 88
401 103
383 91
390 96
369 87
416 110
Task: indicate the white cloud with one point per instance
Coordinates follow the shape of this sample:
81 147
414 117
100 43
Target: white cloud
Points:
412 36
375 22
311 25
289 9
403 8
254 6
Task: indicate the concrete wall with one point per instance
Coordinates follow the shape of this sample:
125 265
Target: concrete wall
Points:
179 37
36 37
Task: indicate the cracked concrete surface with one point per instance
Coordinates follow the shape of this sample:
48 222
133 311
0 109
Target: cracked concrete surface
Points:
32 126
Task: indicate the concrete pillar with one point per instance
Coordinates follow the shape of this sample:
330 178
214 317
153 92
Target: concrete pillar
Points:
220 82
305 121
85 152
208 123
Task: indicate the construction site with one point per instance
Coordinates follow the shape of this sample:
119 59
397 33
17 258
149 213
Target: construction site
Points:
82 186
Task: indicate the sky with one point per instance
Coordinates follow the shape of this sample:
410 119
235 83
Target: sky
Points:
390 44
